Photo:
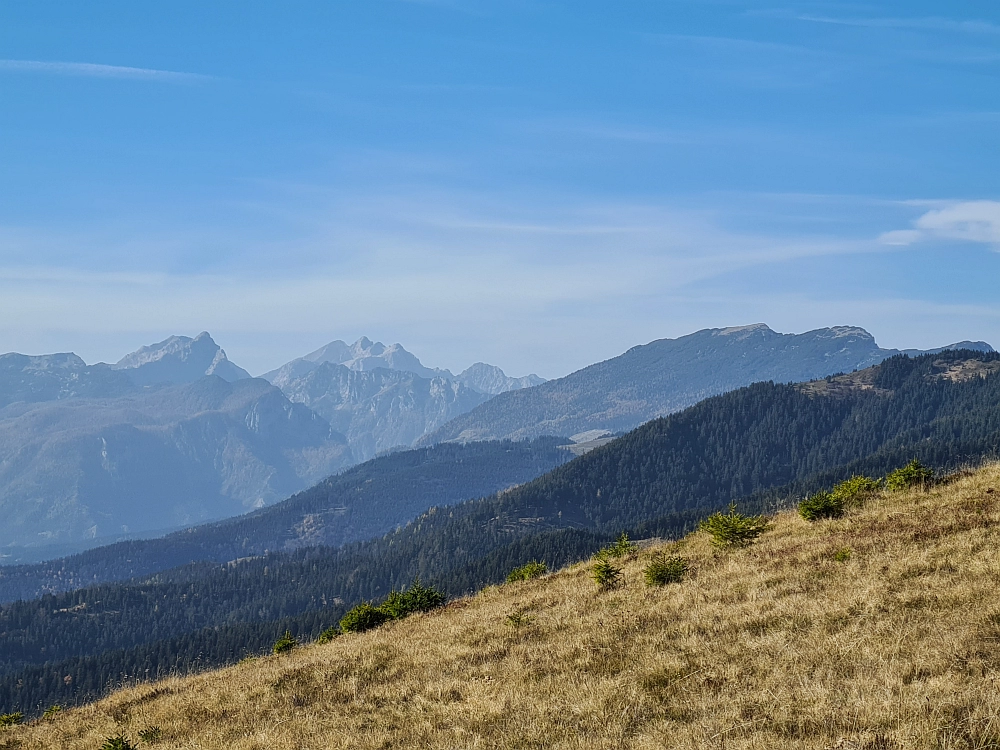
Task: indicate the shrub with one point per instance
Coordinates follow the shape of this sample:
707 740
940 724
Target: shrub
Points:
328 635
842 555
284 644
855 491
606 574
527 572
149 735
118 742
361 618
51 711
520 619
912 474
621 547
664 569
733 529
821 505
10 720
417 598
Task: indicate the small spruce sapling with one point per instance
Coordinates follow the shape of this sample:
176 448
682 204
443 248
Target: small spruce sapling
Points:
286 643
51 711
853 492
11 720
664 569
417 598
606 574
118 742
733 529
526 572
621 547
328 635
911 475
362 617
821 505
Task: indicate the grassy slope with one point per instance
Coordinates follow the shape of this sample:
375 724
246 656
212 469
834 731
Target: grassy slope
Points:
778 645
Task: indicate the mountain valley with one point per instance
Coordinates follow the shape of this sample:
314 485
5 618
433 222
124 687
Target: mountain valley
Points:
762 446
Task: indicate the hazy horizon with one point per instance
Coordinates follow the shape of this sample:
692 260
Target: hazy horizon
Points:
455 369
535 185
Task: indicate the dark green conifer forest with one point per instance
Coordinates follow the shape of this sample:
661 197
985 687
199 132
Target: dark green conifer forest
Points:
763 447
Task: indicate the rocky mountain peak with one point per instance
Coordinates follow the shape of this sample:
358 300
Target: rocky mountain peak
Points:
363 355
179 359
742 332
491 380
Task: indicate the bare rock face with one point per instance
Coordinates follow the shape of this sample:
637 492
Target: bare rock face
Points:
382 397
492 380
380 409
179 359
363 355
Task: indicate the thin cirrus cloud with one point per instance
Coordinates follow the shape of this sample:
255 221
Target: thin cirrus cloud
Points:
97 70
921 24
967 221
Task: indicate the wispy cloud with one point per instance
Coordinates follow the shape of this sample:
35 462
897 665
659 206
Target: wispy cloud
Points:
924 24
968 221
436 271
734 43
96 70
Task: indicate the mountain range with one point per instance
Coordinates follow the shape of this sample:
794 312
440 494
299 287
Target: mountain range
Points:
175 433
381 397
762 446
668 375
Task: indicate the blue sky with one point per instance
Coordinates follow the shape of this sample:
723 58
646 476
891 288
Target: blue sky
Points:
535 184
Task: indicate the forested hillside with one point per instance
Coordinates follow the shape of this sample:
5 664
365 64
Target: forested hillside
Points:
657 480
875 630
362 502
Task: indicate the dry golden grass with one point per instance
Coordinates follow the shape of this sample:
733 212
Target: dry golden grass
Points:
782 645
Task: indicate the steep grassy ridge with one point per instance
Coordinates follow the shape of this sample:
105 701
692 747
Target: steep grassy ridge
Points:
877 630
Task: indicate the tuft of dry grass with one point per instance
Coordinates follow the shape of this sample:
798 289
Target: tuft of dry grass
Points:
879 630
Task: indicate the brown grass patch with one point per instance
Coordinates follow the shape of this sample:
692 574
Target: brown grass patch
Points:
787 644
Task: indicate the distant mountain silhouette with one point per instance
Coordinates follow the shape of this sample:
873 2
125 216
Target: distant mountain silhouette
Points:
363 355
380 409
179 359
382 397
492 380
666 376
100 451
53 377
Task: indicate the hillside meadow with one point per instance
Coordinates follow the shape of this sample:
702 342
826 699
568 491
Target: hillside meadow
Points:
874 631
